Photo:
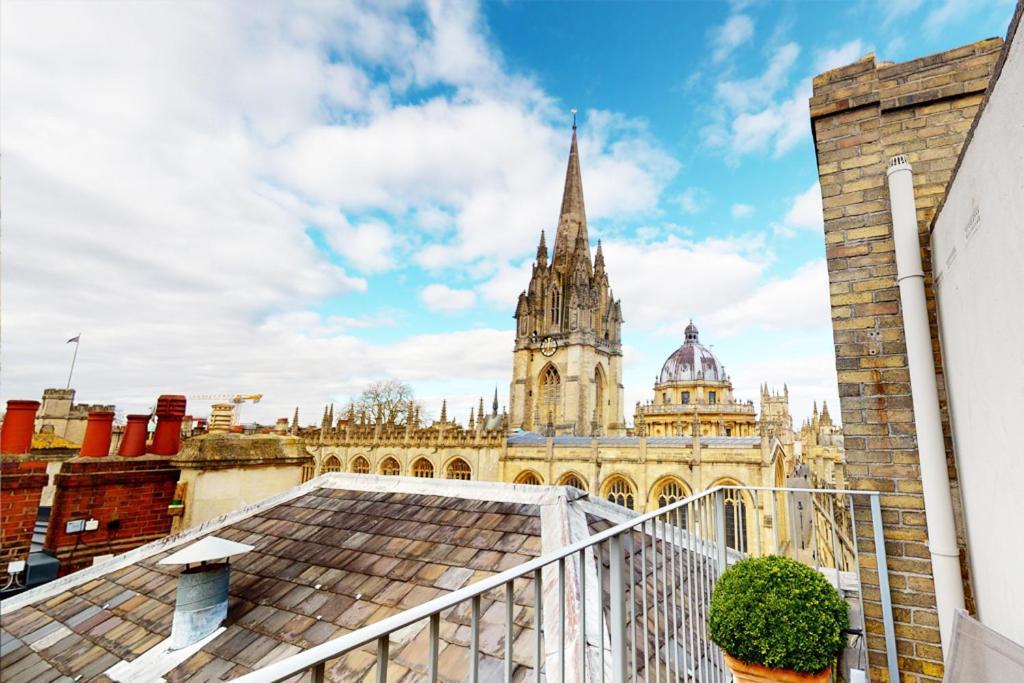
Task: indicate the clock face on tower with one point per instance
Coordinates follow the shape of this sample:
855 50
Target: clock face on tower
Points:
548 346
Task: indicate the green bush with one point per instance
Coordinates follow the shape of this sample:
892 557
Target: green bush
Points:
778 613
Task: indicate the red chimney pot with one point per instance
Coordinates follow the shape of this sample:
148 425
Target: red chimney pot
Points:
170 409
133 441
98 430
19 425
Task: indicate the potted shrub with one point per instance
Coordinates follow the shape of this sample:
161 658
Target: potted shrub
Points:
778 621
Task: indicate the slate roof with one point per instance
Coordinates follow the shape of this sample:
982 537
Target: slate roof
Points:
326 562
331 556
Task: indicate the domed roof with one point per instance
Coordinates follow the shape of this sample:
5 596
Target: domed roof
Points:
692 362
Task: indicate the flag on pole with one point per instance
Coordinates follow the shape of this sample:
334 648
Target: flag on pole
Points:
73 339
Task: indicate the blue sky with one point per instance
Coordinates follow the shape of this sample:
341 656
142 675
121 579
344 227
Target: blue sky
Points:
299 199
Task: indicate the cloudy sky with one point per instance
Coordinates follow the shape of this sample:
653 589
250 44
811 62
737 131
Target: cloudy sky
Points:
297 199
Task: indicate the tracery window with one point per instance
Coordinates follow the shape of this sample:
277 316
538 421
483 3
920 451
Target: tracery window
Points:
529 478
672 491
423 469
550 394
459 469
332 464
735 520
574 481
360 465
390 468
686 397
621 492
556 306
711 397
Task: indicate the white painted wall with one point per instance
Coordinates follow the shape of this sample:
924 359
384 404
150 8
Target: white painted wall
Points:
978 259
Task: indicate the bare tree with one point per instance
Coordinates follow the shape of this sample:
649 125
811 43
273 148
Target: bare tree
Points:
388 399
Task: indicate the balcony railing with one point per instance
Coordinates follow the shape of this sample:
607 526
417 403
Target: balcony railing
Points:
629 603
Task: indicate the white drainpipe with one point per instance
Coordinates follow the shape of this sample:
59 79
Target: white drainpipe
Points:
945 555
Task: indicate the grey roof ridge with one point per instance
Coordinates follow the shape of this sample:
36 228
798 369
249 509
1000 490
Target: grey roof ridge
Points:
476 490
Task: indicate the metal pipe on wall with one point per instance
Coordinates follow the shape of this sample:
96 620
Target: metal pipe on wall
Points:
942 545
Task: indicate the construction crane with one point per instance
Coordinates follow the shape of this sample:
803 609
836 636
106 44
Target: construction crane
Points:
237 399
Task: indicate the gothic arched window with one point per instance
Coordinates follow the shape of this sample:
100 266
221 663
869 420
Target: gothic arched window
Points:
550 394
332 464
423 469
360 465
671 490
390 468
459 469
735 520
556 306
573 480
529 478
620 492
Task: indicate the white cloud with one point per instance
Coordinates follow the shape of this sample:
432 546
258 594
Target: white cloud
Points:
443 299
692 200
798 301
755 116
741 210
805 210
691 278
847 53
737 29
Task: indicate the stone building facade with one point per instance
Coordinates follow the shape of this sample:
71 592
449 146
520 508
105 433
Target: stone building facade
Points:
862 115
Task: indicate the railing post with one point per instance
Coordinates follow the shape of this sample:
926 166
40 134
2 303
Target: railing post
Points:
883 588
383 645
317 673
720 529
617 579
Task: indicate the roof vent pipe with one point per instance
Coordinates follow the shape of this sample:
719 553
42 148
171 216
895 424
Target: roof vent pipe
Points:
201 604
98 430
19 424
945 555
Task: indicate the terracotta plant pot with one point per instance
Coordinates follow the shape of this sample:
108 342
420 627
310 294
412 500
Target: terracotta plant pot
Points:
755 673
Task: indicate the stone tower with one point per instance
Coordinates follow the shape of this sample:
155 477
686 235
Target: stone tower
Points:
567 369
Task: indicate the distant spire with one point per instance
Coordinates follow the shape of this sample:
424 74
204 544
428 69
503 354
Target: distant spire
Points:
472 418
444 410
295 421
572 219
494 406
542 250
599 257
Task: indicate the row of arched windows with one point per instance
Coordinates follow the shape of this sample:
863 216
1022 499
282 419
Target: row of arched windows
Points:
390 467
669 490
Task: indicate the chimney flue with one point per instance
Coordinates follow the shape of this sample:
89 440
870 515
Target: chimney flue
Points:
133 442
98 430
170 410
19 425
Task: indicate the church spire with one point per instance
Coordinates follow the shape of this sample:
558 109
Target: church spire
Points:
572 219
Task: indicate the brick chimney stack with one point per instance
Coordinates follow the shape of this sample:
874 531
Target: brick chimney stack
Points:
19 424
98 430
170 410
133 443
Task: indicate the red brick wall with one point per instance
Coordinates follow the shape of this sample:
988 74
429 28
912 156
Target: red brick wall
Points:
132 492
21 483
863 114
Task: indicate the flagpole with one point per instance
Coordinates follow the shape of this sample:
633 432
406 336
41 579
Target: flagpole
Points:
78 340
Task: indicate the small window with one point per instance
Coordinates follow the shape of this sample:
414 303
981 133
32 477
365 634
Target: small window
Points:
728 431
528 478
390 468
308 472
573 481
360 465
664 397
621 493
332 464
686 397
711 397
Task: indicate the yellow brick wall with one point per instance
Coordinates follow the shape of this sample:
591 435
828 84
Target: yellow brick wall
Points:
863 114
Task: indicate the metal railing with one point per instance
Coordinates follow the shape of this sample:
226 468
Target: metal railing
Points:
628 603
